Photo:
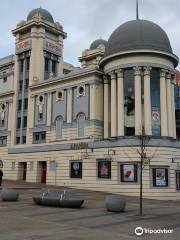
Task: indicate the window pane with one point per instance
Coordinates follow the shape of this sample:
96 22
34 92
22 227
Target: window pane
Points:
129 103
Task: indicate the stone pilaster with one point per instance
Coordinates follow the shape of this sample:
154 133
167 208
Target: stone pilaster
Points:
147 102
169 105
163 104
113 104
138 106
120 102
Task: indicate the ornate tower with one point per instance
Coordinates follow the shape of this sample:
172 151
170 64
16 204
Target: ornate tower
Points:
38 57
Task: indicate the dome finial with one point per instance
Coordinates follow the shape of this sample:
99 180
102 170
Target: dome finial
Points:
137 10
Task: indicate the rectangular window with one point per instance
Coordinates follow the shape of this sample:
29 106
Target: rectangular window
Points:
21 65
40 116
76 169
2 122
43 136
25 103
26 83
24 121
3 141
18 122
17 140
46 65
54 67
128 172
20 85
104 169
27 64
37 136
24 139
178 180
160 177
19 105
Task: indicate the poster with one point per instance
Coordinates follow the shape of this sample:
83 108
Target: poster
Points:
104 169
128 173
161 177
76 169
156 125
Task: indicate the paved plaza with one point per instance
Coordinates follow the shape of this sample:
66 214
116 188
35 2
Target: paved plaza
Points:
23 220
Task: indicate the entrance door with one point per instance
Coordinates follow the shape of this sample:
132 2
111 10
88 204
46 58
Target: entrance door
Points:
24 170
178 180
43 171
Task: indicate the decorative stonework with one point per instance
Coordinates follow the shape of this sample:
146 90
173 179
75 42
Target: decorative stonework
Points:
112 75
120 73
40 103
163 73
137 71
147 71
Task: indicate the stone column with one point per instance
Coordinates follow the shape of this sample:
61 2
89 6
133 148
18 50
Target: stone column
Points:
49 108
173 106
138 107
163 104
106 107
113 105
120 102
147 102
169 105
69 106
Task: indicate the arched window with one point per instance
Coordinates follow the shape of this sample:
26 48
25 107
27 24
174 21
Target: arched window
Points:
81 124
59 125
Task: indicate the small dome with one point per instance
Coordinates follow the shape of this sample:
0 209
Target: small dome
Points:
138 34
98 42
42 12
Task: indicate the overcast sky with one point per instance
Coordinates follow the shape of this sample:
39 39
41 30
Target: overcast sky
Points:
87 20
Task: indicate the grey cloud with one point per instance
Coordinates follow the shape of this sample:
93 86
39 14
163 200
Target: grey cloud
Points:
86 20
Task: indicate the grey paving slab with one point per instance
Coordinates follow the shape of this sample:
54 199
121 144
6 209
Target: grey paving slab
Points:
24 220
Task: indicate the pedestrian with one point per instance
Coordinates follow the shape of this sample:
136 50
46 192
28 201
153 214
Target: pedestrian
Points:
1 176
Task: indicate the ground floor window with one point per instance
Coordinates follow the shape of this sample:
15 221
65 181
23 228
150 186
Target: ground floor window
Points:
178 180
160 177
104 169
128 172
3 141
76 169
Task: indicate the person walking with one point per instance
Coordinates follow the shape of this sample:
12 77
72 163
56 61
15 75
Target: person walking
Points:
1 176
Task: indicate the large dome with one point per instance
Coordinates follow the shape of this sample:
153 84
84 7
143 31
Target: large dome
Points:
136 35
42 12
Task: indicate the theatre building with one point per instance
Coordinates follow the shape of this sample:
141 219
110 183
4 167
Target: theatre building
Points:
81 126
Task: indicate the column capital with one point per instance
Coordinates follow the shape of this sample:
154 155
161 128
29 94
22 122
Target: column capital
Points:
105 79
168 75
112 74
137 70
163 73
120 73
147 71
173 78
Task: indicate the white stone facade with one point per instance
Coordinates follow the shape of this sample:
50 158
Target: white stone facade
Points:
80 127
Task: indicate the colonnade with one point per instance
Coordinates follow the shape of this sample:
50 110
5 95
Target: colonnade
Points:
114 102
